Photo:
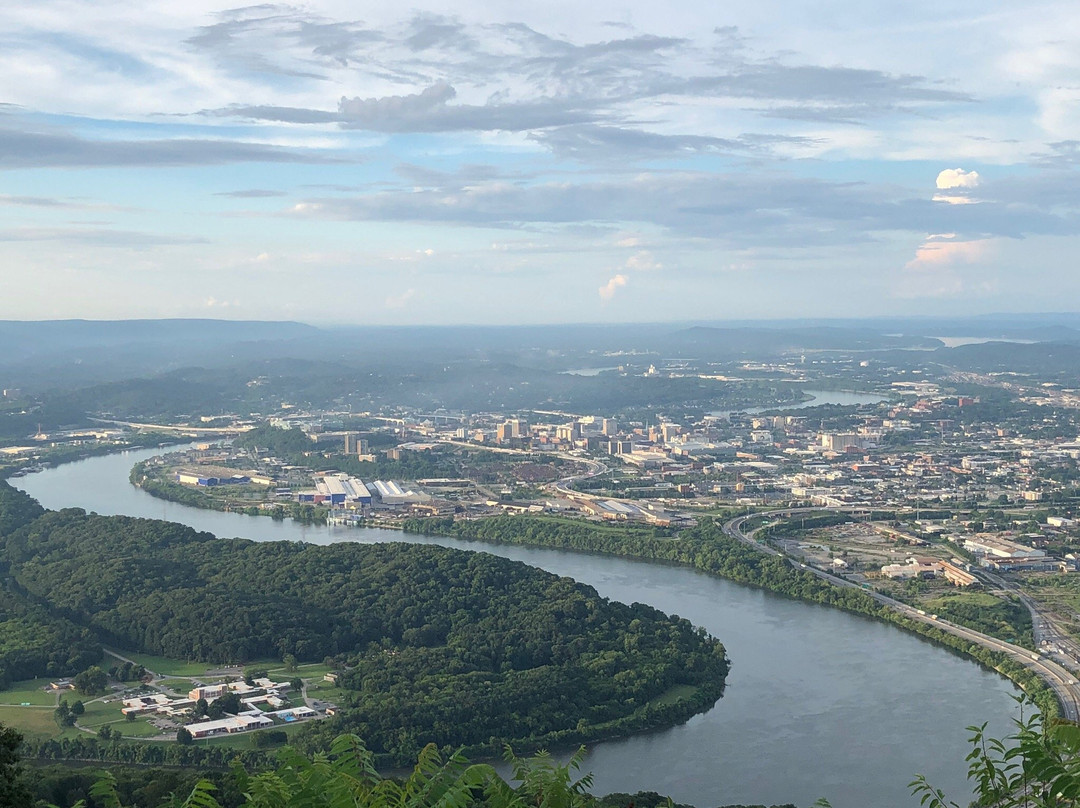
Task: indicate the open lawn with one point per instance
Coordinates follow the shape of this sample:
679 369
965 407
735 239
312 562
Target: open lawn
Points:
325 691
180 686
139 728
309 670
673 694
98 713
30 690
165 666
33 722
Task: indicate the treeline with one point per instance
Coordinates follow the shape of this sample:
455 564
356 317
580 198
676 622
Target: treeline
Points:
89 748
707 548
346 776
459 648
34 642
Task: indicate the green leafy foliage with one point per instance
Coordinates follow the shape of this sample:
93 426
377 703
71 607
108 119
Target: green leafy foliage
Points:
440 645
1038 766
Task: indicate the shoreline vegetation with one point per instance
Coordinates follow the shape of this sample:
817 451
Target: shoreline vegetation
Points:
735 562
62 455
424 636
708 549
141 477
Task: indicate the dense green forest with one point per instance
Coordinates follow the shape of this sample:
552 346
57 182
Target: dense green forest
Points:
707 548
454 647
33 640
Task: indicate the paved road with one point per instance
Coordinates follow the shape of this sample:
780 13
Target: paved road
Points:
1056 676
595 468
1049 634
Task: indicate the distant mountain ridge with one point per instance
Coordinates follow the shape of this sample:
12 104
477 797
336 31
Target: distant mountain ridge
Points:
779 340
42 336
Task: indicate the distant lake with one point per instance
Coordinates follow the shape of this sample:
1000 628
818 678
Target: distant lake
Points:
587 371
956 342
819 702
820 397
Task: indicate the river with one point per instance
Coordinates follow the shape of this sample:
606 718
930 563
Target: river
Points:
819 703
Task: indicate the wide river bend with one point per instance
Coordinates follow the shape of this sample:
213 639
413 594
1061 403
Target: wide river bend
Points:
819 703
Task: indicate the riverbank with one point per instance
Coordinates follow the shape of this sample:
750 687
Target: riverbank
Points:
51 457
708 549
786 580
141 476
807 698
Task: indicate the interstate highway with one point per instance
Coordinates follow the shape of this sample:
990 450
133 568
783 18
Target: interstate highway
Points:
1057 677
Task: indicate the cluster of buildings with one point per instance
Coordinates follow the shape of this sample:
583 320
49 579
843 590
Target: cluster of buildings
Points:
923 567
261 691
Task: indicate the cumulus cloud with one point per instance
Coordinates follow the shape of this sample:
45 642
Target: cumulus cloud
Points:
957 178
607 291
958 183
943 250
945 266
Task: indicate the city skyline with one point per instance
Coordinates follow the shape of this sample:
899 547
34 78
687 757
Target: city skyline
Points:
498 165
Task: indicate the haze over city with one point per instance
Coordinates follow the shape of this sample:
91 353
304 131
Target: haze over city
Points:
492 163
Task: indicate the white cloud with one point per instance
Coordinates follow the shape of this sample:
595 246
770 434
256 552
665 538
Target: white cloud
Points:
959 182
944 267
941 250
607 291
957 178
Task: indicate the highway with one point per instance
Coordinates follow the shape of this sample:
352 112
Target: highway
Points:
1061 680
183 430
563 486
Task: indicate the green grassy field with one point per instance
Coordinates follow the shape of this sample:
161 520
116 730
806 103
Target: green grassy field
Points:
139 728
325 691
98 713
30 690
180 686
33 722
673 694
165 666
309 670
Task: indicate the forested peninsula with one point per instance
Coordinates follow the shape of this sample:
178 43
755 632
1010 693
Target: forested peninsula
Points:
436 645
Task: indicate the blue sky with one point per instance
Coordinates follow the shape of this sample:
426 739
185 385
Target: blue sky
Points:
490 163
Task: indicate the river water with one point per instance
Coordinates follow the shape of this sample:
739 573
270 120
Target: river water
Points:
820 397
819 703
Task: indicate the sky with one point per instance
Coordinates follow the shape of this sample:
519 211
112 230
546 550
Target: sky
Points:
506 162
